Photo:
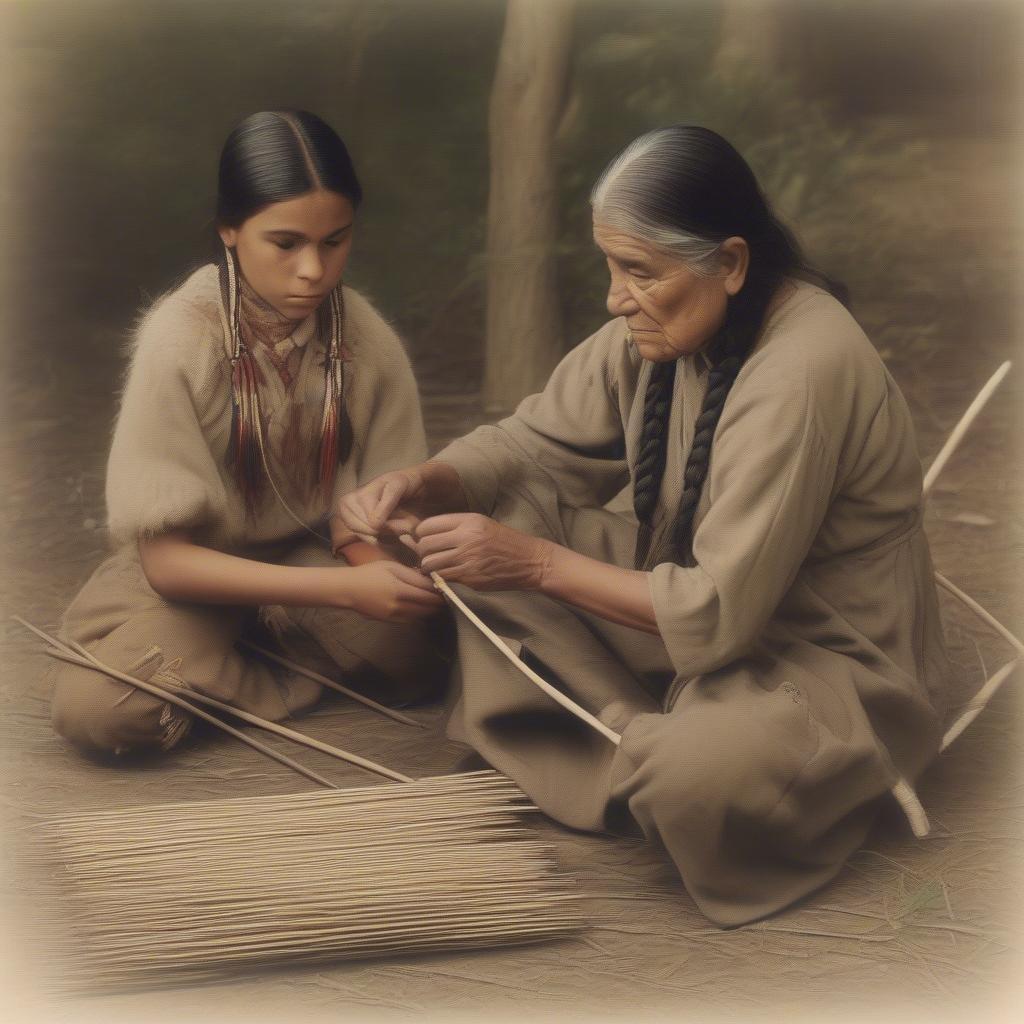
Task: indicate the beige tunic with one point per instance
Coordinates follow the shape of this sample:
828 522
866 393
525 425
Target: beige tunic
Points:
168 470
167 467
801 669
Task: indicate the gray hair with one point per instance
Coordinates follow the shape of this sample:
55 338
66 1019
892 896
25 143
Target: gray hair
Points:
624 189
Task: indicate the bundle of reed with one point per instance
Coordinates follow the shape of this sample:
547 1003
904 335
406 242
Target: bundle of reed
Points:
191 891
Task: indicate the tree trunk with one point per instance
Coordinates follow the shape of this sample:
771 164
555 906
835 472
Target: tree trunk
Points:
524 328
363 25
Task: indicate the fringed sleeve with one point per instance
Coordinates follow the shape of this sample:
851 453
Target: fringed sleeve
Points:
162 474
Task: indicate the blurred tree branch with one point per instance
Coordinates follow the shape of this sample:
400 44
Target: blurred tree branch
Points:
362 24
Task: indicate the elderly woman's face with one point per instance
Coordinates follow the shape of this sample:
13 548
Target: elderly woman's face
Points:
670 310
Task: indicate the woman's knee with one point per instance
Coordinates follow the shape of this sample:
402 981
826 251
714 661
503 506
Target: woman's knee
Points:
101 716
718 764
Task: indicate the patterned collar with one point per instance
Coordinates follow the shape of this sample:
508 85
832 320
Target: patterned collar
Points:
262 323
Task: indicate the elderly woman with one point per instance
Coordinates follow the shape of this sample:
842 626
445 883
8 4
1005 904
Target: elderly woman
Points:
707 528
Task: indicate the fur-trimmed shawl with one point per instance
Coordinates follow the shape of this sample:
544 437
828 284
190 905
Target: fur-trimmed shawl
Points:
167 468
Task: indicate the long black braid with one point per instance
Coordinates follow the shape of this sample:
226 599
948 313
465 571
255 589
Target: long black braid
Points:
729 351
721 378
650 465
745 318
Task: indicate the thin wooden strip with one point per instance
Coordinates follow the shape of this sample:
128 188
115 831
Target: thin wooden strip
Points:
556 695
230 940
345 801
963 426
164 866
89 975
374 908
471 817
442 865
462 786
982 614
198 888
145 948
181 891
330 830
114 858
329 945
444 862
978 702
323 680
313 929
88 660
174 699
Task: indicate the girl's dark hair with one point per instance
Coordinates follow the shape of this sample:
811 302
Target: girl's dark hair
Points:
686 190
269 157
280 154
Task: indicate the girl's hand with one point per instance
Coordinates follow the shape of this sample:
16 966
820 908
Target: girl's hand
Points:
388 591
481 553
366 510
395 502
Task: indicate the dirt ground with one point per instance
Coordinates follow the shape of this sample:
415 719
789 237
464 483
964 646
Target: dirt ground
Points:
912 928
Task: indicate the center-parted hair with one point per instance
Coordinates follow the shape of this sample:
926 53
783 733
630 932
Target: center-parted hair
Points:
275 155
272 156
685 190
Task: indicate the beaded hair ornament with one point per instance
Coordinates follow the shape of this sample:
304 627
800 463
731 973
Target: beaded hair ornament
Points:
247 454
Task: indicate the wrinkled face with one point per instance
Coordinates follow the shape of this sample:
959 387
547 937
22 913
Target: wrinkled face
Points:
294 252
670 310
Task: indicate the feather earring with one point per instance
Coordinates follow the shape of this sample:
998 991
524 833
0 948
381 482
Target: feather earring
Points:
245 447
332 420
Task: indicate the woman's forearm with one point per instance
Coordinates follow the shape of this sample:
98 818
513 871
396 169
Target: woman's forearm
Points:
619 595
180 570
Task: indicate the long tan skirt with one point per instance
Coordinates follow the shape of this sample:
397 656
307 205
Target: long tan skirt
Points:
737 773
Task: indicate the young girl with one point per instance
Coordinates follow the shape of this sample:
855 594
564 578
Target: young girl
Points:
259 391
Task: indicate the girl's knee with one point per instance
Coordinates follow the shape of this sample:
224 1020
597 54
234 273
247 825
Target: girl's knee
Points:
395 663
100 716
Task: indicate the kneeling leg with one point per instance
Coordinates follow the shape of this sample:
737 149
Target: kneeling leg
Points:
756 801
183 645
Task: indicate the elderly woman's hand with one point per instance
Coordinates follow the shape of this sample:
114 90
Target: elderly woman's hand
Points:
481 553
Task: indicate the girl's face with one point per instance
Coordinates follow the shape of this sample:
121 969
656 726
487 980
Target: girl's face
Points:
294 252
670 311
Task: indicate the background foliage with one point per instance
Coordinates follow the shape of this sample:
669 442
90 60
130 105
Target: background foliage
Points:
872 126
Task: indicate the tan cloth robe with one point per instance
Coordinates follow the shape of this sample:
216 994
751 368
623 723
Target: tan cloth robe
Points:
167 471
801 668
